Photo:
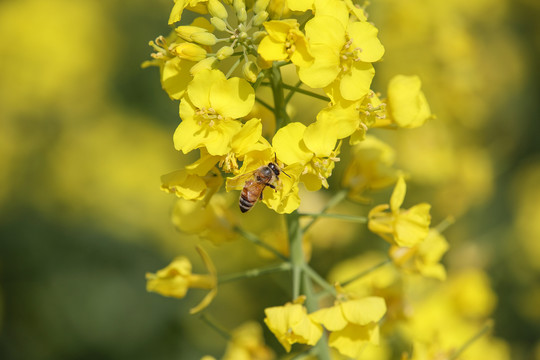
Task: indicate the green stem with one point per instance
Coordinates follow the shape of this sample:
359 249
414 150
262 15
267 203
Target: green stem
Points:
218 328
292 92
313 275
254 273
265 104
296 251
260 78
485 329
254 239
358 219
276 84
301 91
235 65
334 200
366 272
321 348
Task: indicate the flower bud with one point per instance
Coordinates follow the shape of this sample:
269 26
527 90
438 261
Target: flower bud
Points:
257 36
260 18
196 34
205 64
204 38
239 5
224 52
189 51
218 23
242 15
260 5
216 8
250 71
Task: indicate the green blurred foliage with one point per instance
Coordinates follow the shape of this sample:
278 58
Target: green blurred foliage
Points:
85 135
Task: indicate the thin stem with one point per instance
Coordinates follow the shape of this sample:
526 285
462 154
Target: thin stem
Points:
306 92
296 251
292 92
313 275
260 77
254 239
218 328
358 219
276 84
321 348
485 329
365 272
254 272
334 200
443 225
265 104
235 65
301 91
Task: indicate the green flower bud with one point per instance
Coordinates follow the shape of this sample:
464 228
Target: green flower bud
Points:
250 71
257 36
224 52
206 64
189 51
260 18
216 8
260 5
218 23
204 38
196 34
242 15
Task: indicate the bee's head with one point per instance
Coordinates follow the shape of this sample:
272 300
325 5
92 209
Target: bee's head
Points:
274 168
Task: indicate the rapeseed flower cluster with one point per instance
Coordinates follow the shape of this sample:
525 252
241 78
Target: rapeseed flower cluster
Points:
218 67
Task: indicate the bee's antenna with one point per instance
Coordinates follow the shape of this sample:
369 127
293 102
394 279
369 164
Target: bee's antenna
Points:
285 173
275 160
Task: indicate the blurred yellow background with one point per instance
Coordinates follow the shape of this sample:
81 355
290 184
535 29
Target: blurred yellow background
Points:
85 134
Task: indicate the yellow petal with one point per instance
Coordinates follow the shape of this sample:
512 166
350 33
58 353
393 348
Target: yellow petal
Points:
398 195
271 49
199 89
320 137
364 37
175 76
331 318
232 98
355 83
407 103
364 311
412 226
289 144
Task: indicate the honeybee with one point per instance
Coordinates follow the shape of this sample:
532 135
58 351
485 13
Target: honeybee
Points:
266 175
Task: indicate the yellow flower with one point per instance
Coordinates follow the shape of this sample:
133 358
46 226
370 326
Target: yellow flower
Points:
313 147
175 280
285 42
180 5
343 51
291 324
247 343
196 181
248 138
424 257
407 104
209 112
400 227
369 168
284 198
213 221
352 324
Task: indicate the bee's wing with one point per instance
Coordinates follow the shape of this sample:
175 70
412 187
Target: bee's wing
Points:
237 182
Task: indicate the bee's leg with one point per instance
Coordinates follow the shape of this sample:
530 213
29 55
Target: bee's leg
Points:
272 186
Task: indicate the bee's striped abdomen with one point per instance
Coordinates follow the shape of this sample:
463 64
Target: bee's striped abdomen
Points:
248 198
